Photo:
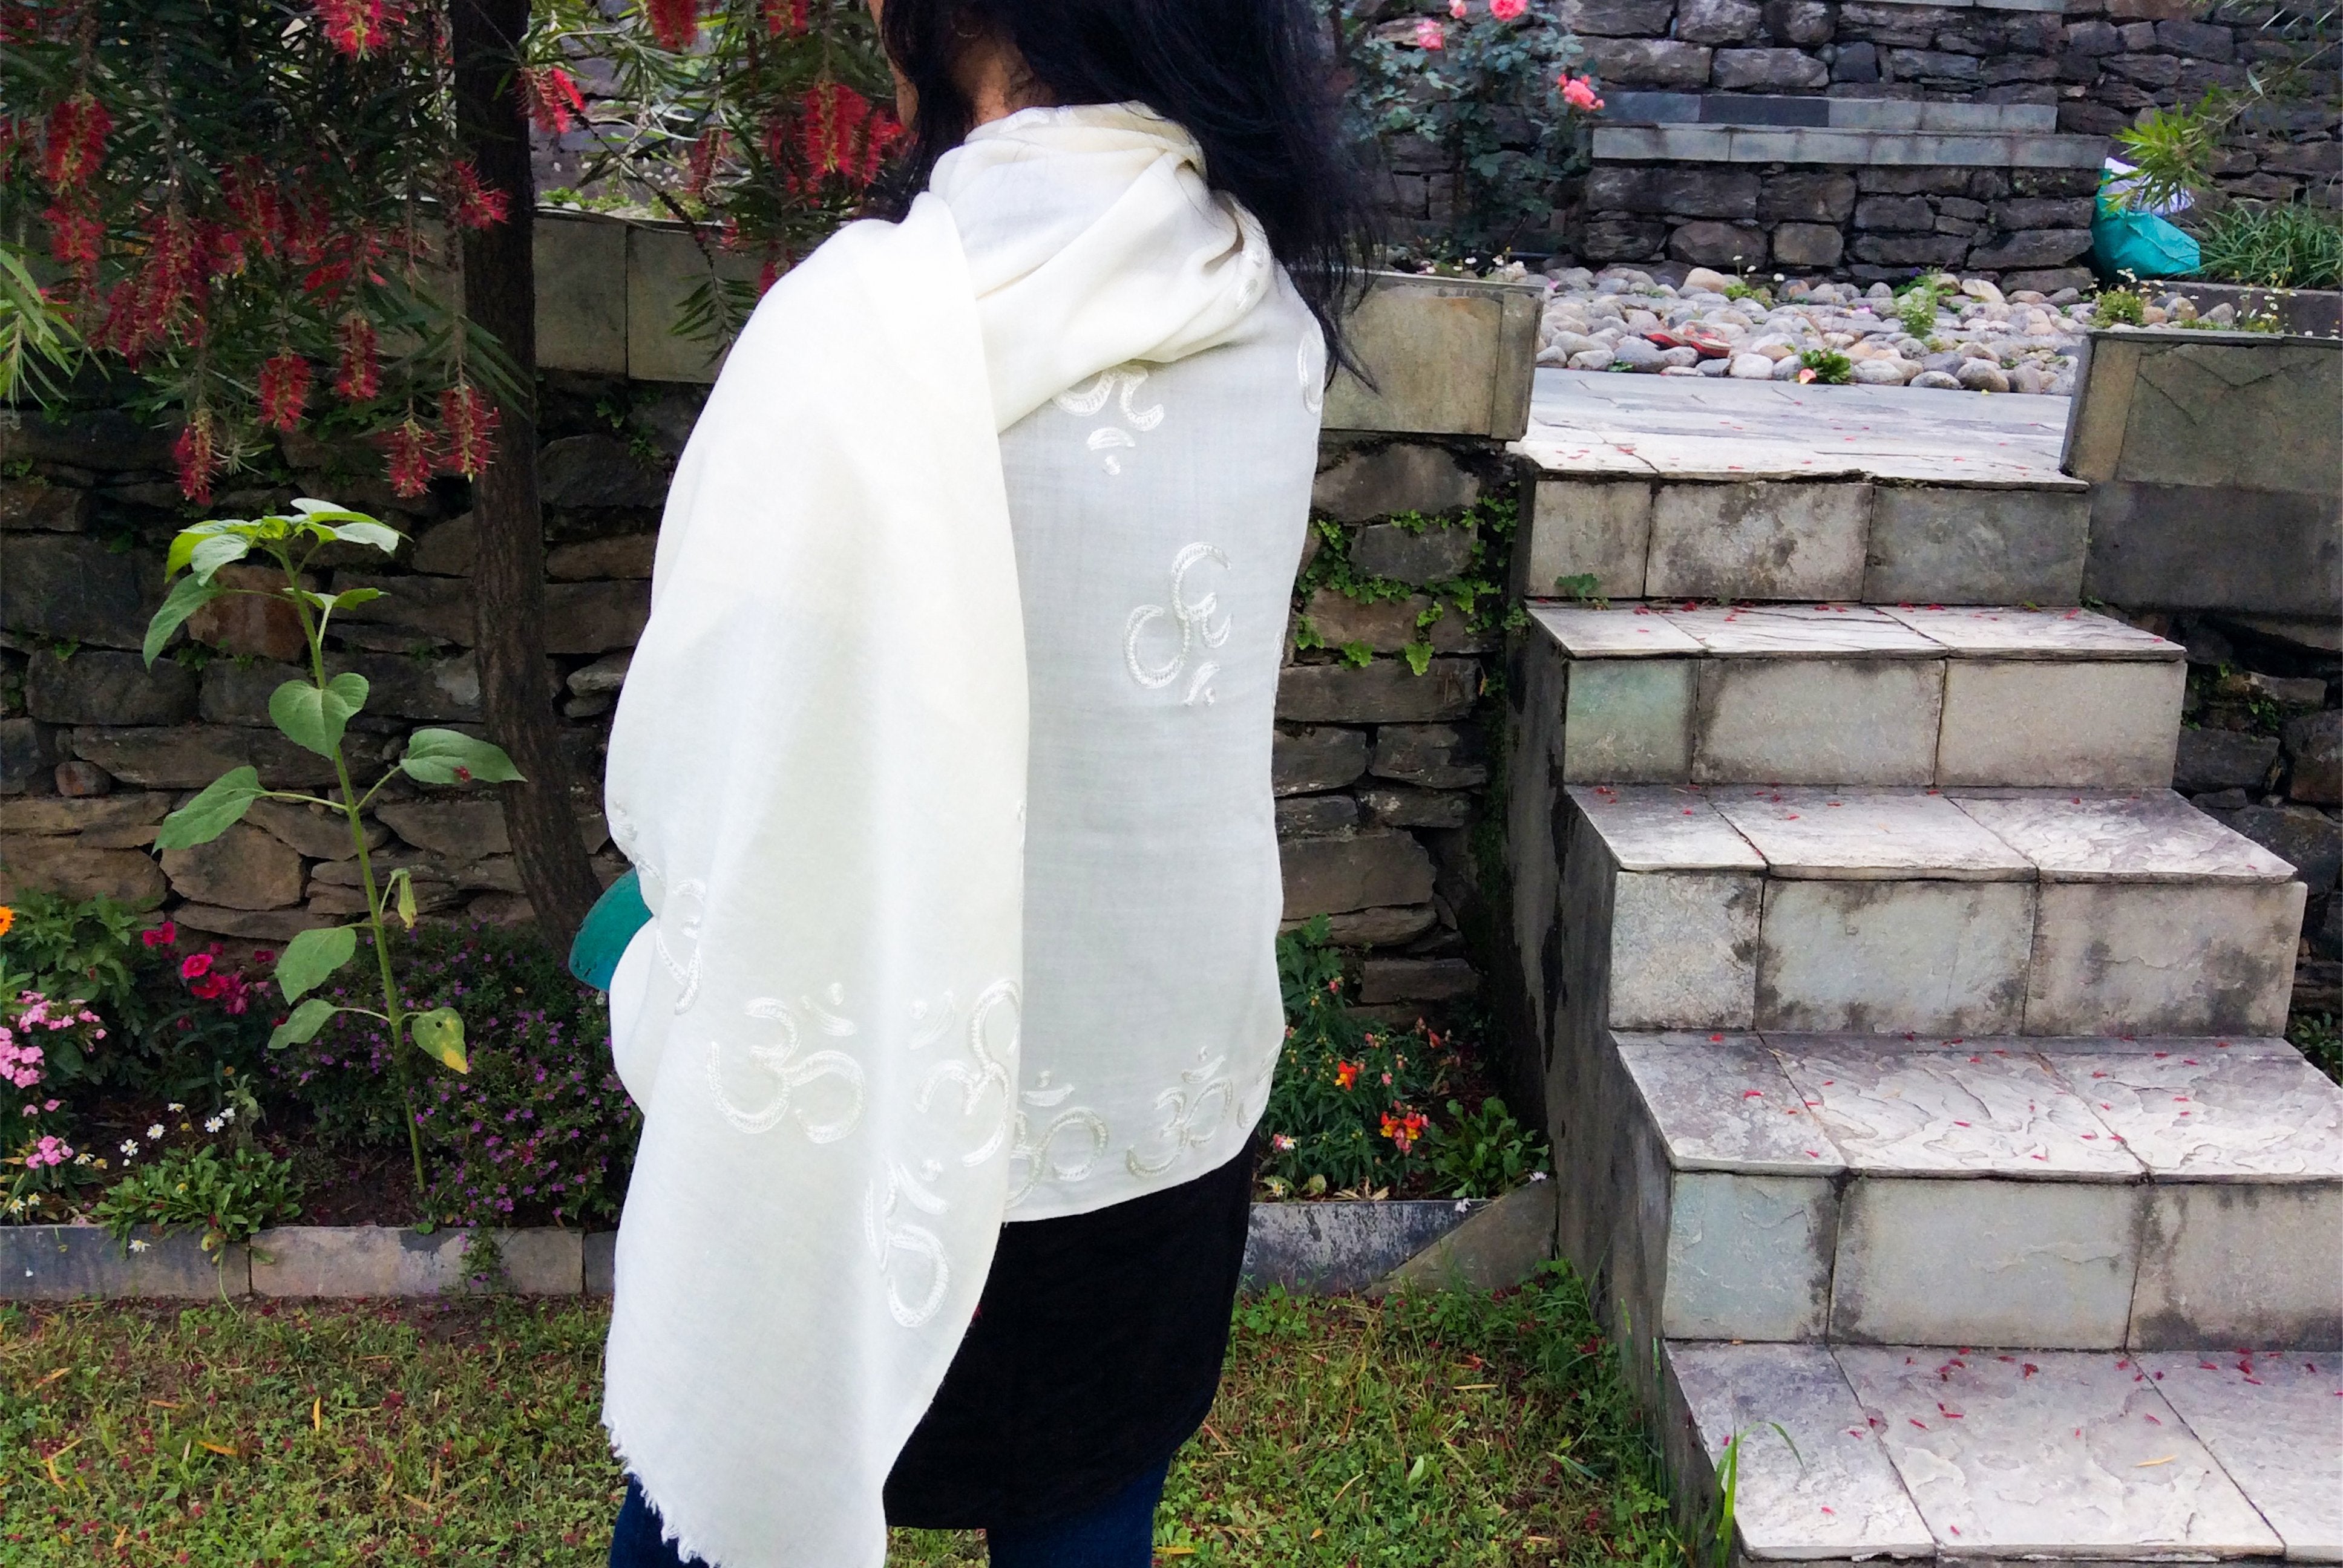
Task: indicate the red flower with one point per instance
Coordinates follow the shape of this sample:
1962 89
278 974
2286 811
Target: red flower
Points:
209 986
163 936
467 422
474 205
785 17
407 451
75 235
1404 1129
263 955
555 104
194 965
284 388
75 143
359 28
196 456
840 132
357 377
674 23
1346 1073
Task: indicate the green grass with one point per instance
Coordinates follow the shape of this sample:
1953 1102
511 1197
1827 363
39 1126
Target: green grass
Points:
2286 244
1431 1431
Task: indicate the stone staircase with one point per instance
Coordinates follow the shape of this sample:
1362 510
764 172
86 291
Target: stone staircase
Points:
1911 1055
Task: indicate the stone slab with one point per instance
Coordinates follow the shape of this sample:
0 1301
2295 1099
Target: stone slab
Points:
1758 540
601 1262
1798 631
2240 1263
1828 1493
1498 1246
1684 950
1874 957
2151 836
2103 724
1629 631
1931 545
2055 1456
71 1263
384 1260
1748 1257
1999 631
1966 1108
1720 1102
1659 829
1868 834
2275 1422
2204 1113
2277 552
1845 720
1333 1247
2170 958
1588 529
1627 720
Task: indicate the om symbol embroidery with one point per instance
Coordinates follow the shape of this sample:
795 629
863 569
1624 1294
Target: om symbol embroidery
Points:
989 1072
1193 1113
887 1235
1033 1161
778 1059
1121 383
1196 625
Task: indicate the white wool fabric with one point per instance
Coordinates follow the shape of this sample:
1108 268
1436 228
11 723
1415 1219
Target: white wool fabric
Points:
819 767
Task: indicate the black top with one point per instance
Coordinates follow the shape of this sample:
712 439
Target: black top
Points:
1095 1353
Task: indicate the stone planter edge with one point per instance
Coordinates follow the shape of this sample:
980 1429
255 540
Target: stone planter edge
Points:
1311 1247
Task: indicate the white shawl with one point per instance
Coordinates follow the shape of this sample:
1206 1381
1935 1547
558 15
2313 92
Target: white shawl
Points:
819 767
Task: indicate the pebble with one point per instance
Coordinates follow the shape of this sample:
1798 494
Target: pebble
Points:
1981 337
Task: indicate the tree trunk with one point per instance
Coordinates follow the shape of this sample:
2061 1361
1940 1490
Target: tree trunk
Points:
509 579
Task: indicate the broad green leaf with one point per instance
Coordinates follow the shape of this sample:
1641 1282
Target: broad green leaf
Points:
187 596
439 1034
226 799
303 1025
314 716
330 511
308 958
448 757
184 543
348 596
381 536
216 552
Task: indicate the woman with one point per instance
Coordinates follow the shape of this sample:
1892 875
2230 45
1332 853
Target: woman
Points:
945 763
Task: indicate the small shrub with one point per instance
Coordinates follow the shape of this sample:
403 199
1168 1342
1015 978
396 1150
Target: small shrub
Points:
232 1200
1916 309
2319 1037
540 1129
1826 366
2119 307
1484 1155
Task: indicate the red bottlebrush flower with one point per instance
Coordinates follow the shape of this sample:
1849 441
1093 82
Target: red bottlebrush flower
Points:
674 23
75 235
786 16
284 388
468 423
358 377
197 457
699 164
260 206
406 451
474 205
555 104
359 28
76 143
830 117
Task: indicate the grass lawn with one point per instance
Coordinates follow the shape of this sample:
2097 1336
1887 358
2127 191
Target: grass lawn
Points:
1438 1431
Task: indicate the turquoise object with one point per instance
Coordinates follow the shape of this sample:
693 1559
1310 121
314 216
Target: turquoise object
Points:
2139 245
610 925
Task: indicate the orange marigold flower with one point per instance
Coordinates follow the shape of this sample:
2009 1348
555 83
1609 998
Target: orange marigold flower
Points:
7 920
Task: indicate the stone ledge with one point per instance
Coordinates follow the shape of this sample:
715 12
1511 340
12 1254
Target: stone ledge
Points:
1753 110
1718 144
1336 1245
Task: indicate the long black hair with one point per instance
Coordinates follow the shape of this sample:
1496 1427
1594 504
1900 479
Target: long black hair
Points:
1254 81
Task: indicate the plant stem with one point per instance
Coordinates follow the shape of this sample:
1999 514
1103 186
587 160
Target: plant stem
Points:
394 1014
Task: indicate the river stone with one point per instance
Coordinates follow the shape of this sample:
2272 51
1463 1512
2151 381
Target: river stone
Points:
1935 380
1982 375
1637 353
1881 372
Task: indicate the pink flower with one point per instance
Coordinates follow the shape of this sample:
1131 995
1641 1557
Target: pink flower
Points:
1456 9
1430 35
1578 92
162 936
195 964
1508 10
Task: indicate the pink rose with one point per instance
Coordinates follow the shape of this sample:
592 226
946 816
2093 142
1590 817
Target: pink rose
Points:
1508 10
1578 92
1430 35
1456 8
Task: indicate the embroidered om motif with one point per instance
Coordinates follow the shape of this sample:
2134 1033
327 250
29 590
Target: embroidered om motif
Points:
1196 626
1035 1159
988 1072
1193 1113
1124 380
887 1235
791 1073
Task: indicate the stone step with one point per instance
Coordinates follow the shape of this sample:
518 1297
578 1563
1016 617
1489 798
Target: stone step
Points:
2060 1194
1856 1454
1850 694
1815 910
1659 488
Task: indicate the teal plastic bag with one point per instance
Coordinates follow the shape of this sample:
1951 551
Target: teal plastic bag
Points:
610 925
2126 243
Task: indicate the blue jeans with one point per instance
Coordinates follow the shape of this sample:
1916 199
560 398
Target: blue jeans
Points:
1118 1533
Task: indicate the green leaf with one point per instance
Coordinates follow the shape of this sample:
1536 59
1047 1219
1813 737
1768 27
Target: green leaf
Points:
225 799
314 716
439 1035
448 757
1418 655
184 543
366 531
348 596
303 1025
308 958
187 596
210 555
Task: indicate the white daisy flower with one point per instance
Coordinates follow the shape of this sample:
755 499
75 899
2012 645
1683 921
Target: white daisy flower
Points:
129 1147
213 1124
174 1105
140 1246
155 1129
